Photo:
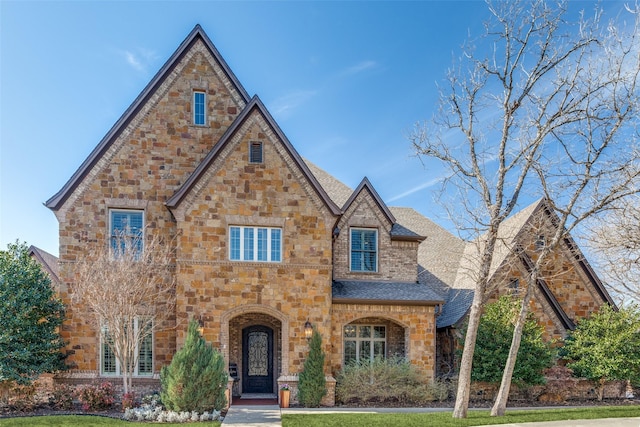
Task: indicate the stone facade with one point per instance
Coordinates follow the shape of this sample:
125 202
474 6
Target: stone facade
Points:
193 183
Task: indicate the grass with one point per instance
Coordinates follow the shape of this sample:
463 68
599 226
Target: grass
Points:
444 419
86 420
440 419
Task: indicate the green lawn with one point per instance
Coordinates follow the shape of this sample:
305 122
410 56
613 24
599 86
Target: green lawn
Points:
444 419
85 420
440 419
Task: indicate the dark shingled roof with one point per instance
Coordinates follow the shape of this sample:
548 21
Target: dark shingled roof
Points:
458 302
361 291
49 262
400 232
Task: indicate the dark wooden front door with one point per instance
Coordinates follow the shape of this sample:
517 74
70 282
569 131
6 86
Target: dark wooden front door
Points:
257 359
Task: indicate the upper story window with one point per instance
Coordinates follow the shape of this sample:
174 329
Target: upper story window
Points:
364 249
364 342
199 108
255 244
109 363
255 152
126 230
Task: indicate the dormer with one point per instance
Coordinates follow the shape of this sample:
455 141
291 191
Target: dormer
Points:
370 244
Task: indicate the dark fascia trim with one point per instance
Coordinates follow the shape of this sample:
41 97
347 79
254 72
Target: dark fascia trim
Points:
37 253
580 259
551 299
408 238
365 183
254 104
588 271
56 202
364 301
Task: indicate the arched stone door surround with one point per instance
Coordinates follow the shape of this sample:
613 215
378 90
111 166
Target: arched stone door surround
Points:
249 309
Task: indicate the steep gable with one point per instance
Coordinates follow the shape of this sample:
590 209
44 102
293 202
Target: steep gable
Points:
254 114
196 55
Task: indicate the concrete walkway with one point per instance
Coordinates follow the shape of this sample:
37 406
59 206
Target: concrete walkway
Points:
270 416
253 416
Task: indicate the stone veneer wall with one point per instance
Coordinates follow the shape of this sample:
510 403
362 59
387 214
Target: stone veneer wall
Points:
419 331
397 260
148 161
272 194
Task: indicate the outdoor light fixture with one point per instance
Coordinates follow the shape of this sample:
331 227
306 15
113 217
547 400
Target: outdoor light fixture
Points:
201 325
308 329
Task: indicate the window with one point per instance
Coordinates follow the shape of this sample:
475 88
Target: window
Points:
126 229
199 108
255 244
364 342
255 152
514 286
364 248
110 364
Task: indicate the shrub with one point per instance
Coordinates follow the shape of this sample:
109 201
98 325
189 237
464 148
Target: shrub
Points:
61 397
311 381
196 379
606 346
22 397
96 397
128 401
494 341
393 380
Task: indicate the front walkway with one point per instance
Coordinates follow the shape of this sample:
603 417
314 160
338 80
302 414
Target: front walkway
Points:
253 415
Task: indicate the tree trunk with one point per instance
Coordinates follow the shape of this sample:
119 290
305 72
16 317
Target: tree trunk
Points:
464 376
500 406
601 384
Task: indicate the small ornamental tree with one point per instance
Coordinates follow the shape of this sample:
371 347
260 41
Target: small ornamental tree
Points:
494 340
30 316
312 385
196 379
606 346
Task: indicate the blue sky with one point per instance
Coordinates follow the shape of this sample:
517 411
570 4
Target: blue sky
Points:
346 81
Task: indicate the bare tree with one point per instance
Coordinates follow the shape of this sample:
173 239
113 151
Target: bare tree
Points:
534 110
615 241
129 287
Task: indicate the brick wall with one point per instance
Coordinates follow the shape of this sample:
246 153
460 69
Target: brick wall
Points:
397 260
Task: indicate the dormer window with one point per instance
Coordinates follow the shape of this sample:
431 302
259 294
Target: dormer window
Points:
199 108
364 250
255 152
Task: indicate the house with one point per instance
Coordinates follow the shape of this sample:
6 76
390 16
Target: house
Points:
266 242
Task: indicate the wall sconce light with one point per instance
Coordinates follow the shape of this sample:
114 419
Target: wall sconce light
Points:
201 325
308 330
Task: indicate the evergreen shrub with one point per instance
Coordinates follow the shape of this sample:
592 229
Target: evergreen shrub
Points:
312 385
196 379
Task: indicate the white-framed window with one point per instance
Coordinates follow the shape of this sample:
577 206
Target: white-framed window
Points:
255 152
255 244
199 108
364 249
364 342
110 365
126 228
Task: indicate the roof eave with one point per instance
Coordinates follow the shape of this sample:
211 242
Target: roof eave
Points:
254 103
368 301
56 202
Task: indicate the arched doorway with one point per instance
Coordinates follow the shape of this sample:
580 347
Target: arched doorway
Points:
252 320
257 359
